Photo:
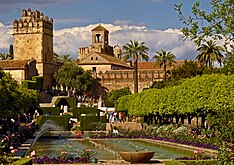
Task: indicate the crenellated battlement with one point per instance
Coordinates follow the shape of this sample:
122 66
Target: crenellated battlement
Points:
33 22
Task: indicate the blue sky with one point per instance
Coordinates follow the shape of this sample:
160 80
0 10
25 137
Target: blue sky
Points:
152 21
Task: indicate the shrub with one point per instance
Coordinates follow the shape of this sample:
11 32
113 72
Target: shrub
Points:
51 110
88 122
23 161
173 162
29 84
62 121
39 81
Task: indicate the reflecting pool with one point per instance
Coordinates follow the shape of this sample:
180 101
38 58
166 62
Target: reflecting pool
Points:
105 149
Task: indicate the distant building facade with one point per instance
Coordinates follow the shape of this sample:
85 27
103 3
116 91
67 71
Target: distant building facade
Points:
105 62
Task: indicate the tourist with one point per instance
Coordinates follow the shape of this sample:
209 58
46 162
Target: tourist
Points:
111 117
115 117
121 117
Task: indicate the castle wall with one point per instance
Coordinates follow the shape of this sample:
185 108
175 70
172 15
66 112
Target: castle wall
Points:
116 79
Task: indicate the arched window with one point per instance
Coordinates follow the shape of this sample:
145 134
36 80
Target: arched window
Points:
92 58
98 38
96 58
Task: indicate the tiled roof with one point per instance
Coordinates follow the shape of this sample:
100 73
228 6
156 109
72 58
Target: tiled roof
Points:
153 65
109 60
13 64
99 28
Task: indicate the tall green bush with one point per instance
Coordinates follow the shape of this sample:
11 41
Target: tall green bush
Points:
62 121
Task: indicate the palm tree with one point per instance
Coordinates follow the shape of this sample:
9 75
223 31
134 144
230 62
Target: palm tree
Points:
210 52
65 58
135 51
164 58
5 56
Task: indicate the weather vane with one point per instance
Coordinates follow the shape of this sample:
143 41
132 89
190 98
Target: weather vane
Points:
99 21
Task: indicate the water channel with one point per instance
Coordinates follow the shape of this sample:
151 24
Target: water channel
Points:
105 149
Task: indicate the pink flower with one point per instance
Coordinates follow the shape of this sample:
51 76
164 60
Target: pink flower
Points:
14 151
195 152
200 151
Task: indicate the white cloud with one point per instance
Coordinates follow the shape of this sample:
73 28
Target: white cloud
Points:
69 40
6 38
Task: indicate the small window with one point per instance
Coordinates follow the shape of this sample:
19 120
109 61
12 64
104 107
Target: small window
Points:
96 58
92 58
94 69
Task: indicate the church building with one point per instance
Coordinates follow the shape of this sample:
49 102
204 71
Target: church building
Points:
105 62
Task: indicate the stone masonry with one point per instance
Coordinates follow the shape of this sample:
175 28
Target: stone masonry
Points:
33 39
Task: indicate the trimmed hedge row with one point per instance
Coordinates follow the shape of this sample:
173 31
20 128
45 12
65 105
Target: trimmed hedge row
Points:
190 162
23 161
91 122
77 111
50 110
62 121
36 83
70 100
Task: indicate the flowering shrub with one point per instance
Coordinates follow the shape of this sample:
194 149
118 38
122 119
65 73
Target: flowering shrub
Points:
198 154
226 154
86 156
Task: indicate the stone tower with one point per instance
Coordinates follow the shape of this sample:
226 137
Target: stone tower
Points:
100 43
33 39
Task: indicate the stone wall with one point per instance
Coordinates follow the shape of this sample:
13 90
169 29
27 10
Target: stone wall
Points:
116 79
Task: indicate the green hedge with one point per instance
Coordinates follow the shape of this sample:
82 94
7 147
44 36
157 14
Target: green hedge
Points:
39 81
87 122
29 84
50 110
190 162
77 111
36 83
23 161
62 121
70 100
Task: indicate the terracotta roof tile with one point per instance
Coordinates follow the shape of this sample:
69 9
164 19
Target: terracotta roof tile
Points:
13 64
153 65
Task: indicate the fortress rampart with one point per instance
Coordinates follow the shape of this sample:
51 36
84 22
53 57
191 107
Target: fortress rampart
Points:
116 79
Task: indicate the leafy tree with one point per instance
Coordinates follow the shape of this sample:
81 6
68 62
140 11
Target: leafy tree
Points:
210 52
218 24
29 98
65 58
135 51
229 60
15 99
73 76
164 58
188 69
5 56
11 50
115 94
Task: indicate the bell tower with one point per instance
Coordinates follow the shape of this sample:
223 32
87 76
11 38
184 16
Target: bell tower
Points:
100 39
